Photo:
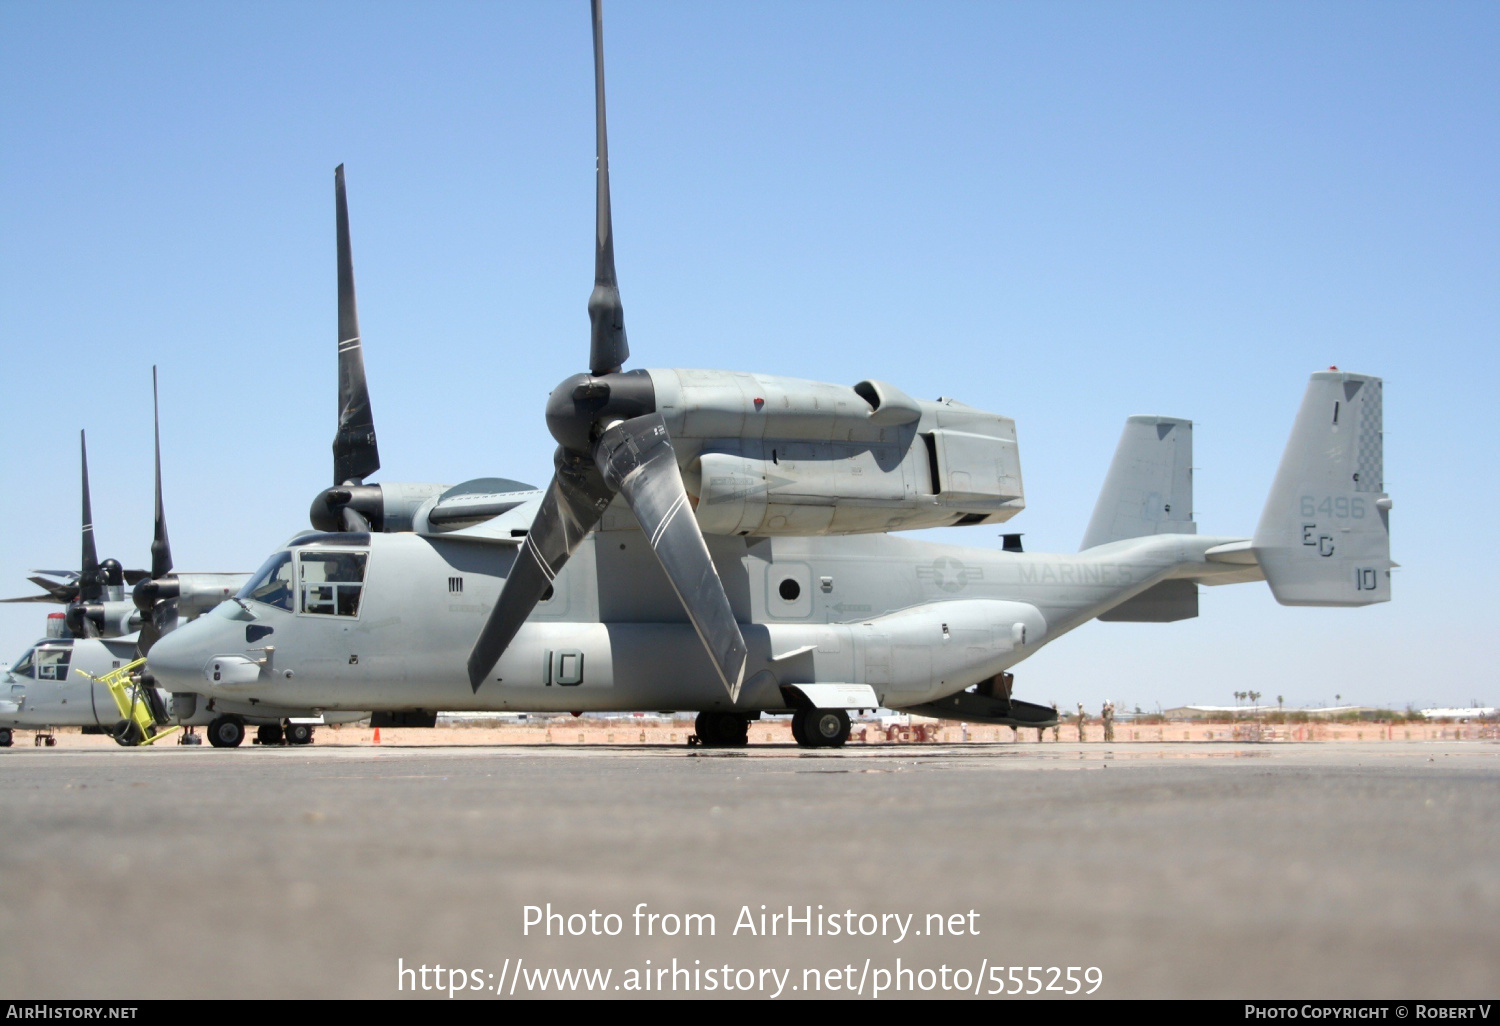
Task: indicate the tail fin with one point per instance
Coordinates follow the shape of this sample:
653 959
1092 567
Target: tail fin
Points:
1324 536
1149 488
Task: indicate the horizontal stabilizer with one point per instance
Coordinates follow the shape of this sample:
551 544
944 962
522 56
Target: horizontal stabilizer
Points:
1324 536
1149 488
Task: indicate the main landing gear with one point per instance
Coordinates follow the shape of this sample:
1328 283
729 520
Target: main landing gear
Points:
229 732
299 733
812 728
284 734
820 728
5 738
722 729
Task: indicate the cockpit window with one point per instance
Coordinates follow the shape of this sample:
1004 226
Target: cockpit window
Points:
330 582
45 662
52 662
272 583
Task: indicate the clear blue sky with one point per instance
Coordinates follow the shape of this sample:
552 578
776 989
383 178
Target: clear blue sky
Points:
1065 212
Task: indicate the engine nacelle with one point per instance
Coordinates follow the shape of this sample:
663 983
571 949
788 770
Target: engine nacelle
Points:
389 506
110 619
199 593
472 503
194 593
764 455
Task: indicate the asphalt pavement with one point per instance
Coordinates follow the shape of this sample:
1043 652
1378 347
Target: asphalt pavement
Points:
1170 870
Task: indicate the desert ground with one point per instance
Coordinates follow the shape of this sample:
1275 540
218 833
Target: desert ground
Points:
656 731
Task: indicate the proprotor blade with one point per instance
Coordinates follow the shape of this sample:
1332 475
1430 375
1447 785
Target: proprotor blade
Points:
161 548
90 587
574 502
637 459
62 593
148 636
38 599
355 455
352 521
161 619
608 350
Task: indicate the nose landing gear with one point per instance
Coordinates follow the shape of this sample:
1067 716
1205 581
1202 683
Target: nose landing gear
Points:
226 732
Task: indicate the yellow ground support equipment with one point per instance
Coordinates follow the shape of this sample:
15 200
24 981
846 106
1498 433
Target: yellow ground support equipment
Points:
139 717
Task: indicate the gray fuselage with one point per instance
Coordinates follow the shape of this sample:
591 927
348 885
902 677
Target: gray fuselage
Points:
913 620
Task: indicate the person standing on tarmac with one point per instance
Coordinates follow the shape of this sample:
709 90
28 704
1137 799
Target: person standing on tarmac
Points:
1056 724
1083 718
1109 722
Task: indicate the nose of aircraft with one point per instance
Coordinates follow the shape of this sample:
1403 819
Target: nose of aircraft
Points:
178 657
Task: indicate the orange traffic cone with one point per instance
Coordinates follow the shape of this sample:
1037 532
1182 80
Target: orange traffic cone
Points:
377 736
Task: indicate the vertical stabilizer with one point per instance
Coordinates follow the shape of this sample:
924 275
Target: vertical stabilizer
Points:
1324 537
1149 488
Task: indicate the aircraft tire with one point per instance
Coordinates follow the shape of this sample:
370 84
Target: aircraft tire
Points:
226 732
734 730
823 728
706 726
830 727
269 734
299 734
6 740
722 729
798 735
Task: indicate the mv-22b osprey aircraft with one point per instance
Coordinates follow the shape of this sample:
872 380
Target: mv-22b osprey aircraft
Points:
722 542
56 682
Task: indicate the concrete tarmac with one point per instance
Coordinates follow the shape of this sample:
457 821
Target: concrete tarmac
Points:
1175 870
